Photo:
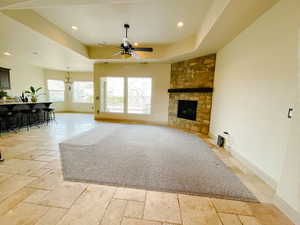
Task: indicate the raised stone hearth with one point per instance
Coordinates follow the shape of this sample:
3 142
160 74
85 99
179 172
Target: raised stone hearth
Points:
193 74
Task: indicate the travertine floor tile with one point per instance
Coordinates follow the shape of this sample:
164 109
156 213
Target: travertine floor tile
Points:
90 207
4 176
269 215
35 156
13 184
48 181
114 212
32 155
16 198
63 195
134 209
130 194
37 196
197 211
234 207
21 167
23 214
46 158
39 172
52 217
229 219
249 220
54 164
162 207
131 221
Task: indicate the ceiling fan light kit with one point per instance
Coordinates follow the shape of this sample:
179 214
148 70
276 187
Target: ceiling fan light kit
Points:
128 49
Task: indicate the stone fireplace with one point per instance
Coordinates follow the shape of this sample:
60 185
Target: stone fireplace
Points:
190 93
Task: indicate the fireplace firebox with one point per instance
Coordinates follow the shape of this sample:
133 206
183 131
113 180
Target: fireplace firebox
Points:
187 109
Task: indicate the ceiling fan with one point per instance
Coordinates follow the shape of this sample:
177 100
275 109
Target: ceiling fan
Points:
128 49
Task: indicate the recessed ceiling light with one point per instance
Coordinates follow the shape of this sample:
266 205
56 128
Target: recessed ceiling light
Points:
35 53
136 44
180 24
74 28
7 53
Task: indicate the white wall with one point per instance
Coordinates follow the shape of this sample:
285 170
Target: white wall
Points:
22 76
254 87
160 74
68 104
289 185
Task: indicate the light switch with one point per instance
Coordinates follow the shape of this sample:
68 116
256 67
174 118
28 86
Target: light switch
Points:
290 113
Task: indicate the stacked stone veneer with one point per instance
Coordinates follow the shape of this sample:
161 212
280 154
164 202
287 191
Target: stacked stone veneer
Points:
194 73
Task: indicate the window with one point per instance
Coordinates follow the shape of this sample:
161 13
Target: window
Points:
83 91
139 95
136 99
56 90
112 94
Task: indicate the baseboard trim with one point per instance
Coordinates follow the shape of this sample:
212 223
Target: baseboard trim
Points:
130 121
78 112
257 171
293 215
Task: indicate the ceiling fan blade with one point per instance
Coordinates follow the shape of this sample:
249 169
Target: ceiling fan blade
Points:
118 53
132 53
143 49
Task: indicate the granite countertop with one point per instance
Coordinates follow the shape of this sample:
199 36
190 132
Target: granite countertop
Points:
23 103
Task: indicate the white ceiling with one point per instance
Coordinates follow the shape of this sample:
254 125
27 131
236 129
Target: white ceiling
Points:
152 21
22 42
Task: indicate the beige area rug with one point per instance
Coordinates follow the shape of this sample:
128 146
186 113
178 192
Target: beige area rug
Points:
151 158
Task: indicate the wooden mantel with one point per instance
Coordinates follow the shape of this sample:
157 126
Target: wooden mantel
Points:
190 90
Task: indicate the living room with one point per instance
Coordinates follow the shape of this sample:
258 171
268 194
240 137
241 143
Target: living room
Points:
110 115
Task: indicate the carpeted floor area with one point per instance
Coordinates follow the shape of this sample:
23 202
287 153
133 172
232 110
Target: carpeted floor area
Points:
149 157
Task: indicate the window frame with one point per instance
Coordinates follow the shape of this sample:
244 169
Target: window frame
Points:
57 90
102 107
83 81
126 90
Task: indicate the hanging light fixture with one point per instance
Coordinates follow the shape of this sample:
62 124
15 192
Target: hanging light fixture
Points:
68 81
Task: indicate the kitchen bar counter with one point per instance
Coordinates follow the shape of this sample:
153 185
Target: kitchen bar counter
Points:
15 115
23 105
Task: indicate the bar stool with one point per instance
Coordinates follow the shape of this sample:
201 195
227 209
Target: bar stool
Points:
1 124
35 117
49 114
25 118
30 117
9 119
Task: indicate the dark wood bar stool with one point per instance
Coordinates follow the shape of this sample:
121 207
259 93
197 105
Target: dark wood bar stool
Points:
25 118
1 124
35 117
31 117
49 114
9 120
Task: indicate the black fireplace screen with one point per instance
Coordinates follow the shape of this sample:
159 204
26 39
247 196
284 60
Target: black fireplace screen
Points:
187 109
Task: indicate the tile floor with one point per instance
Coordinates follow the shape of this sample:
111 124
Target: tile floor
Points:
33 192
